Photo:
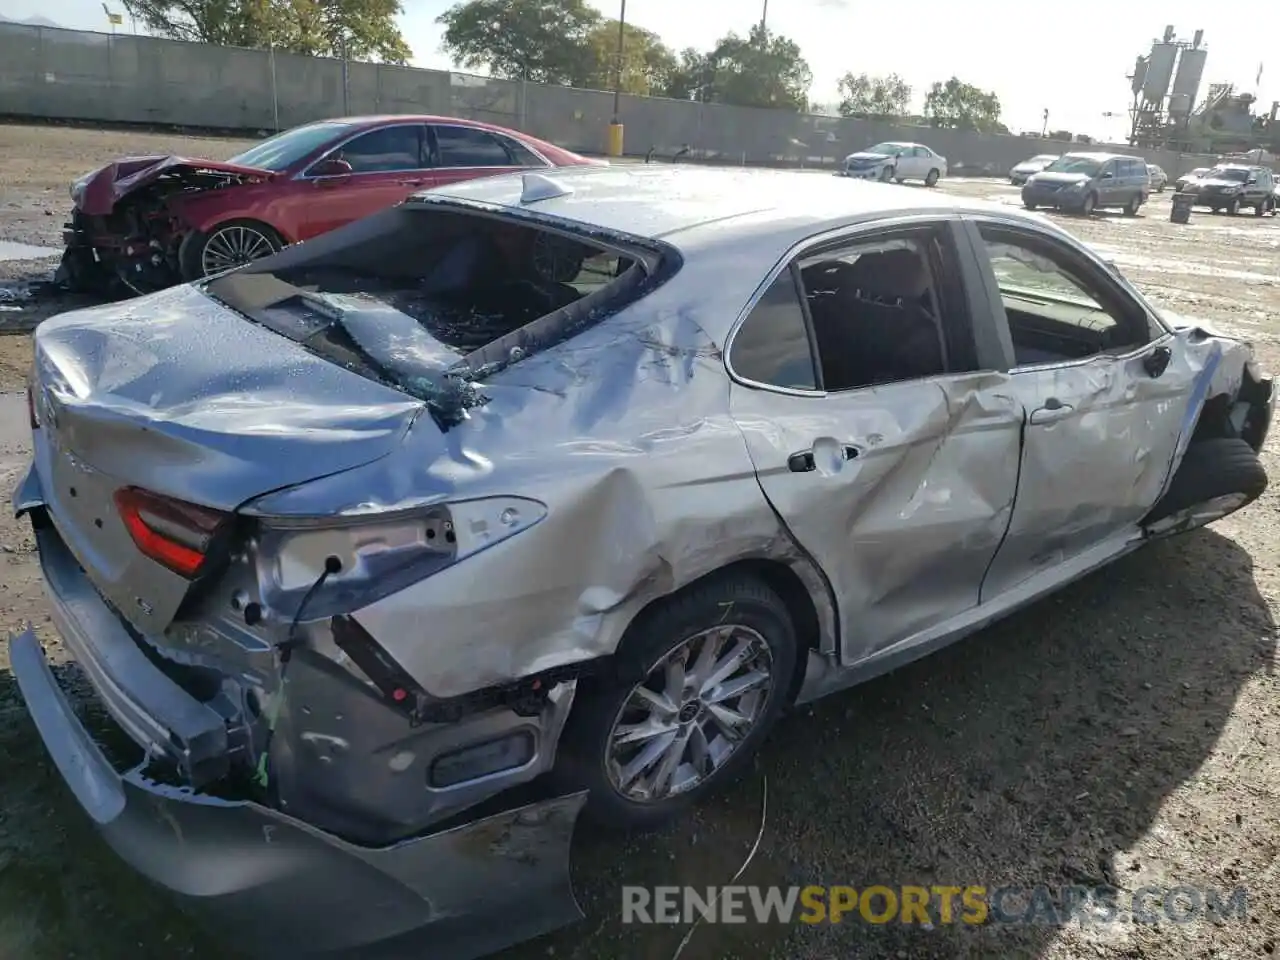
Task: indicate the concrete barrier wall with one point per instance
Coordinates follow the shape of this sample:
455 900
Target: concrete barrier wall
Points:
78 75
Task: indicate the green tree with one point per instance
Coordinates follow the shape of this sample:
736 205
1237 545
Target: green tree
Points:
366 27
315 27
763 70
692 77
878 97
546 41
647 63
963 106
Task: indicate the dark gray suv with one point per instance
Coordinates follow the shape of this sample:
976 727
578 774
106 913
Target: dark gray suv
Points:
1084 182
1230 186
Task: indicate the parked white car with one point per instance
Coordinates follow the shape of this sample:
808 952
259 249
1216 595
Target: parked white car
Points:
1159 179
896 161
1027 168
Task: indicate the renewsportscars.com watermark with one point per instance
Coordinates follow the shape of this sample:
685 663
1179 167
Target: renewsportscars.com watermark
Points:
932 905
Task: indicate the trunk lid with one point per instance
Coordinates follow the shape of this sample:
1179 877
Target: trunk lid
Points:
97 193
177 394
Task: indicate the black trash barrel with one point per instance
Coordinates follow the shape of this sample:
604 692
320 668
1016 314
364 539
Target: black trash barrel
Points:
1180 211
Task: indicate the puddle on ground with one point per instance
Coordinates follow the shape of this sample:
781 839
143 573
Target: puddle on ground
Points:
10 251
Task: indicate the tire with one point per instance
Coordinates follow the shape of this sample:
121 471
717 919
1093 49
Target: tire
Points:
1212 469
200 251
1260 208
1087 206
899 180
1233 208
584 759
886 174
1131 208
931 178
1029 204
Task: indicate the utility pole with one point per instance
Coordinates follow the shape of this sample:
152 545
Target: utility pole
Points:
764 16
1045 129
615 125
617 77
346 76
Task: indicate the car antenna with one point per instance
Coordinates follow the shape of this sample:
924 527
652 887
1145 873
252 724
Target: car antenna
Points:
538 186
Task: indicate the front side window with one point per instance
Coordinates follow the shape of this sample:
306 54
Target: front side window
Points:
1057 309
383 151
469 147
772 346
283 150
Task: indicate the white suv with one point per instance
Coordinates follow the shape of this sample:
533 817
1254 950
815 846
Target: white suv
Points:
895 161
1159 179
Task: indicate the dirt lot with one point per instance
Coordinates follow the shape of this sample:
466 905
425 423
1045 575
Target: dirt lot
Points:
1123 732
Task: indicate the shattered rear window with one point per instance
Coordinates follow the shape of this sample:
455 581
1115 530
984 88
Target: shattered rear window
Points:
435 297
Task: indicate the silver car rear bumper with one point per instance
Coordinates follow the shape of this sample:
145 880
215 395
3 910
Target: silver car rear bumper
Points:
272 881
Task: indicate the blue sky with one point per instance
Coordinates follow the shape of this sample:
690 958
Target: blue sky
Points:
1070 60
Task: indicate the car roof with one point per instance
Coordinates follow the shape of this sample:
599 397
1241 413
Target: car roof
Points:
1095 155
696 207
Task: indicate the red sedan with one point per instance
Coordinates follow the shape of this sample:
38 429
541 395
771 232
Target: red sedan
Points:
151 222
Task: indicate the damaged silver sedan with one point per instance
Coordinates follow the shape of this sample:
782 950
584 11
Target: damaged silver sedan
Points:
532 497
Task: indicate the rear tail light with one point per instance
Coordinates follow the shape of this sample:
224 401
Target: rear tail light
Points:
31 408
171 532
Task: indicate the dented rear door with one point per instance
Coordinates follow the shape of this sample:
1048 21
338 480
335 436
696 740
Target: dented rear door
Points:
900 492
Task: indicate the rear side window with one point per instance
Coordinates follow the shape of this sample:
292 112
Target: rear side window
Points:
522 155
468 147
772 346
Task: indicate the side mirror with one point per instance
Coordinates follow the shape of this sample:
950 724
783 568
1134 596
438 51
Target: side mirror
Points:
333 167
898 155
1251 180
1108 176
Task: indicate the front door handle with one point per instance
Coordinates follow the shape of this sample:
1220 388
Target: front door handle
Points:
413 183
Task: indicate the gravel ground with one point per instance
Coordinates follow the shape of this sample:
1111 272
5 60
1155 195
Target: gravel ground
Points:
1119 733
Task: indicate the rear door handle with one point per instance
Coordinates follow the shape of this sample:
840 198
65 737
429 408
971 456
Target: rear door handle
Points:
1053 409
803 462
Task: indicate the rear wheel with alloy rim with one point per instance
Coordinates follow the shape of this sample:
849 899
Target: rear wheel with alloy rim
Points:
1131 208
228 245
931 179
702 678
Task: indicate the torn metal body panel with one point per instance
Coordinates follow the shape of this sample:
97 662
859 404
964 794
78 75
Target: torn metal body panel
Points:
356 541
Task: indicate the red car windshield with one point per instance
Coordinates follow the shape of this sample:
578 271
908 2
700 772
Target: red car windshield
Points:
283 150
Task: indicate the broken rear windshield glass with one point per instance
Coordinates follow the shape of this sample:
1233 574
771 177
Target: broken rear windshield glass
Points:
413 304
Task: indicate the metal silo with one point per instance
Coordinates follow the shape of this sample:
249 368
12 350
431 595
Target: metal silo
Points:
1186 82
1160 71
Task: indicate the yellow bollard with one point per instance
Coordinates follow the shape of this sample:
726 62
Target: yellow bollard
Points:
615 139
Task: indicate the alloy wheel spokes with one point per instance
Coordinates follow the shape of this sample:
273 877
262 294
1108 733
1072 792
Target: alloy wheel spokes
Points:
680 724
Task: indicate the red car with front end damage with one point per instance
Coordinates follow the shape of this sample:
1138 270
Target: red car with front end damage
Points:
151 222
